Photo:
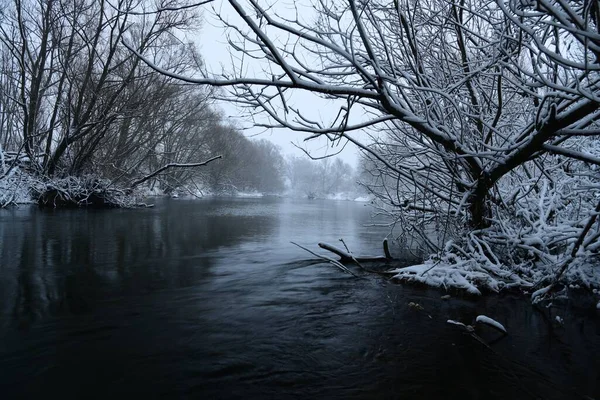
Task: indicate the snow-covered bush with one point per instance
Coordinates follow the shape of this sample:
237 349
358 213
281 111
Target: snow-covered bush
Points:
15 187
86 191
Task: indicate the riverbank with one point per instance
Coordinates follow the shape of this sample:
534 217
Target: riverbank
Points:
20 187
453 274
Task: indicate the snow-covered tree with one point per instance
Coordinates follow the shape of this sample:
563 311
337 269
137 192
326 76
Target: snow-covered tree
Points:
483 114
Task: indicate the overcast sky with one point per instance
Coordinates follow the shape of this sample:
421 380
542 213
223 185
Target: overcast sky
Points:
214 48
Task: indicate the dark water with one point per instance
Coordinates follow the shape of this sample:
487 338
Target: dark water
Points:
208 299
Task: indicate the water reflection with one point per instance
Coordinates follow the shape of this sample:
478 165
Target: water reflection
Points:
63 261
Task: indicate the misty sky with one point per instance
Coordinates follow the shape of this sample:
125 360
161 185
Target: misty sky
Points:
214 49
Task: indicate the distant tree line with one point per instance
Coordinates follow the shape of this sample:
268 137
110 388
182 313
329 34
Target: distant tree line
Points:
320 178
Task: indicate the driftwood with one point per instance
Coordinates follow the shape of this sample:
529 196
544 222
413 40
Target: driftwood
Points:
347 257
328 259
482 320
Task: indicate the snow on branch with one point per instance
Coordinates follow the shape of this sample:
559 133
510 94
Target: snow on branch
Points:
328 259
577 155
160 10
482 319
346 256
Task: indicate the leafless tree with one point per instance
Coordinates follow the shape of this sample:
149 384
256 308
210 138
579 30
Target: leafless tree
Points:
74 81
474 109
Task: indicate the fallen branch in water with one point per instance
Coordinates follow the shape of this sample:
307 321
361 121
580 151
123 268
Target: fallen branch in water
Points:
481 319
358 260
466 327
346 256
328 259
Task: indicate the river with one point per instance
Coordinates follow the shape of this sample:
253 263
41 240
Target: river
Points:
208 299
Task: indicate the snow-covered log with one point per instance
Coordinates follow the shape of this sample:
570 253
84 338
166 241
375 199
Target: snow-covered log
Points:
482 319
345 256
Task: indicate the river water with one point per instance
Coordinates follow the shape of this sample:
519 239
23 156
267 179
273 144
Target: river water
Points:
208 299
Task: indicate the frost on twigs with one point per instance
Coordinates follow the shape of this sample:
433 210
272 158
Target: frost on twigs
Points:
474 276
548 243
20 187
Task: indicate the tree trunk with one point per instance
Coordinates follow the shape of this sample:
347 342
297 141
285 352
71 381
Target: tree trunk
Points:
479 207
53 163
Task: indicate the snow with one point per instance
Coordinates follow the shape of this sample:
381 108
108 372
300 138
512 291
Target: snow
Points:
15 188
482 319
451 273
335 249
249 195
474 276
539 293
467 327
363 199
338 196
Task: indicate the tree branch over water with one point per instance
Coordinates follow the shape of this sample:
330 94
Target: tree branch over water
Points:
173 165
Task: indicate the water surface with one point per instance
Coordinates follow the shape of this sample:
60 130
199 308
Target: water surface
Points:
208 299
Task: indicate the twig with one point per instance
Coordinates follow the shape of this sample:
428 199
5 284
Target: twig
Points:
172 165
485 320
